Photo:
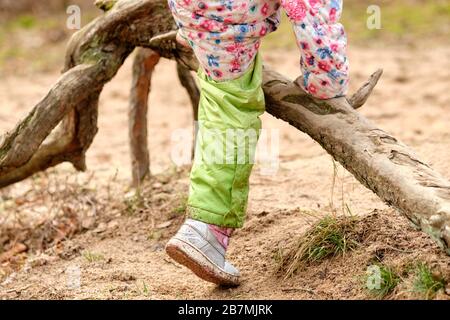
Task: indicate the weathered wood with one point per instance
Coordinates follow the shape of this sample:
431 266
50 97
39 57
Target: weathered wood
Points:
188 82
68 142
379 161
93 56
143 66
360 97
21 144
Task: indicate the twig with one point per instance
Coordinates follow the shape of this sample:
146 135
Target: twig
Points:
173 263
399 250
298 289
18 290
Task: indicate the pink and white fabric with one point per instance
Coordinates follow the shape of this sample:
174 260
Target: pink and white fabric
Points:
226 34
222 234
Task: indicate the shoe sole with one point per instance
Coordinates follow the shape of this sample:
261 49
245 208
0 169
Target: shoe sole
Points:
192 258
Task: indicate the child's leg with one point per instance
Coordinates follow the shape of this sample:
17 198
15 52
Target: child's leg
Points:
322 42
225 36
229 127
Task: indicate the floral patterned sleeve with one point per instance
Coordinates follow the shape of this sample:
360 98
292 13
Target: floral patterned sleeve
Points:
322 42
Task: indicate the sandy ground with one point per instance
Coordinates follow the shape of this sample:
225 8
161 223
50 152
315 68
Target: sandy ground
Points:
411 102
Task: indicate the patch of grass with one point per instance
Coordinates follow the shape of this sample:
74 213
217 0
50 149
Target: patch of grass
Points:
92 256
399 18
142 290
181 207
145 289
11 53
282 38
26 21
426 281
36 40
329 237
382 280
133 203
155 235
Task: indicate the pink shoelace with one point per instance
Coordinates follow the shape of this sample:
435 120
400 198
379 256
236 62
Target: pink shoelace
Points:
222 234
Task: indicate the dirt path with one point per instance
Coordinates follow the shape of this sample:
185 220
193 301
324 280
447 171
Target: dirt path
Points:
124 257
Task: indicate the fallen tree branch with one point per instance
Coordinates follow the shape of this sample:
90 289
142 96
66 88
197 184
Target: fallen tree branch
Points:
144 64
93 56
188 82
378 160
19 146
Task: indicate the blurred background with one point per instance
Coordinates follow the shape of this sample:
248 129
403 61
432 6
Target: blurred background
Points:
33 33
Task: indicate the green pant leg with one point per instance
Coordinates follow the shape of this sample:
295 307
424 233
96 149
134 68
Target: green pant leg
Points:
229 127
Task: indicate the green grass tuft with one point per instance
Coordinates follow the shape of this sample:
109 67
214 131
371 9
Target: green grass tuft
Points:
92 256
387 282
426 282
180 209
133 203
329 237
26 22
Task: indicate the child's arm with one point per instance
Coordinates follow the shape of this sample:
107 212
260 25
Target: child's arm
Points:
322 41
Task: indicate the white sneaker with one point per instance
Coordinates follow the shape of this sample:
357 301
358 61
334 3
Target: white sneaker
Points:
197 248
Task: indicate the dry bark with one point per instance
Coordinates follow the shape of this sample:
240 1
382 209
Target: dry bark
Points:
143 67
379 161
93 56
144 63
188 82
